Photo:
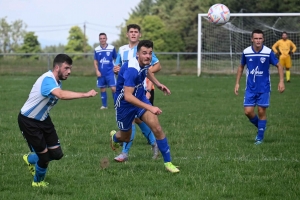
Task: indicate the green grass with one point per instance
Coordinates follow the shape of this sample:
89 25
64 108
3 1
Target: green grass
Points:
210 139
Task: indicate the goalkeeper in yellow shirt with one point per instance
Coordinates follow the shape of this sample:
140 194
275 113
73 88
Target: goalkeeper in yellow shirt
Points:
285 48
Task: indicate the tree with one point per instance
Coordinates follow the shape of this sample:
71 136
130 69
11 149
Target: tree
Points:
77 42
11 35
30 45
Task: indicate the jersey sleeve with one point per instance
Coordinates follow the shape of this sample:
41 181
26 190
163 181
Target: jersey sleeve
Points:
154 59
129 76
95 55
273 59
114 54
274 47
48 85
243 60
118 59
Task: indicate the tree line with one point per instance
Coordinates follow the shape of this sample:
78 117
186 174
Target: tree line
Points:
171 24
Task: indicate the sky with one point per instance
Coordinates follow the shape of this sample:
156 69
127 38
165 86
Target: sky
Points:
51 20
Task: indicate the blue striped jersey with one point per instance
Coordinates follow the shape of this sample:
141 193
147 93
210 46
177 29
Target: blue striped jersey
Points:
130 75
105 57
125 53
40 100
258 64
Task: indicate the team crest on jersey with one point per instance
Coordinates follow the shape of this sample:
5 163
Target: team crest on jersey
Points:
262 59
107 53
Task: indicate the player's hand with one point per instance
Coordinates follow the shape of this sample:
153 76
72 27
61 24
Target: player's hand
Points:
281 87
163 88
116 69
155 110
291 53
98 73
236 89
91 93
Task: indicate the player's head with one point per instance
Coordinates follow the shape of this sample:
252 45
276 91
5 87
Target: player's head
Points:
144 52
133 33
102 39
284 35
257 38
62 65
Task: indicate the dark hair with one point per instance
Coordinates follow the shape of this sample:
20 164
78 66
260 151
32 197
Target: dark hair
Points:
145 43
61 58
257 31
134 26
284 32
102 34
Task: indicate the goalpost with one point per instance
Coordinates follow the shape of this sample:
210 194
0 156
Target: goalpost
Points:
220 47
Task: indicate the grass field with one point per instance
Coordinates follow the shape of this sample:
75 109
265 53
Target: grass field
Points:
210 139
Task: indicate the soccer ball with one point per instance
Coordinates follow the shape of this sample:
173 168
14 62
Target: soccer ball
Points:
218 14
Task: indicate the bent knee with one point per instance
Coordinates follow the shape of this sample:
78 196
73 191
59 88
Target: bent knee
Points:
56 154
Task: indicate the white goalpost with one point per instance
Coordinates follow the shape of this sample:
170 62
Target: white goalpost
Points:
220 47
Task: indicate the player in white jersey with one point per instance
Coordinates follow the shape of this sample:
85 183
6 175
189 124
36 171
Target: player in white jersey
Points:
104 56
34 120
258 58
125 53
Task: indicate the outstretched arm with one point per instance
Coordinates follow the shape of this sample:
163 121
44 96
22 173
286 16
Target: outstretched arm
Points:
68 95
160 86
238 78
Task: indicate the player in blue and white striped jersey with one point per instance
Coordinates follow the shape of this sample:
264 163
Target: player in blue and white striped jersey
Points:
34 120
125 53
258 58
104 56
131 102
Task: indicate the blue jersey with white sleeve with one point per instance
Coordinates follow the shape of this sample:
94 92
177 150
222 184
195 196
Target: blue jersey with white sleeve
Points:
130 75
126 53
41 100
105 57
258 64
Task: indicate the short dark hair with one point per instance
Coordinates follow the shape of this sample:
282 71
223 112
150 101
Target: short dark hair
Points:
134 26
258 31
284 32
102 34
145 43
61 58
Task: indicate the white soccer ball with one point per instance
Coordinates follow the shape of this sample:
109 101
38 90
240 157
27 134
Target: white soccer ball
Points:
218 14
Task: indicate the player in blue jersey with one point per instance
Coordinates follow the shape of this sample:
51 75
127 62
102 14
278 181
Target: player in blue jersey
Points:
125 53
131 102
258 58
34 120
104 56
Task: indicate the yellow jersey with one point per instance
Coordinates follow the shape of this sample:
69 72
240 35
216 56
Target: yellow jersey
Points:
284 47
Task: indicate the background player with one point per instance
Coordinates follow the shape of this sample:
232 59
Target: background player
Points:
104 56
125 53
258 59
130 101
35 122
284 48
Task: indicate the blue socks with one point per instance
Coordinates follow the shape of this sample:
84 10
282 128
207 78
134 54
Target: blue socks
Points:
104 98
33 158
261 129
164 148
40 173
254 121
147 133
127 145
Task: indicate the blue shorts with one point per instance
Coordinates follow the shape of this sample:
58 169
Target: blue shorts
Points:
106 81
259 99
126 114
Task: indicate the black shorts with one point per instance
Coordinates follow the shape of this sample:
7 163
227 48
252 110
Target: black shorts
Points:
38 134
